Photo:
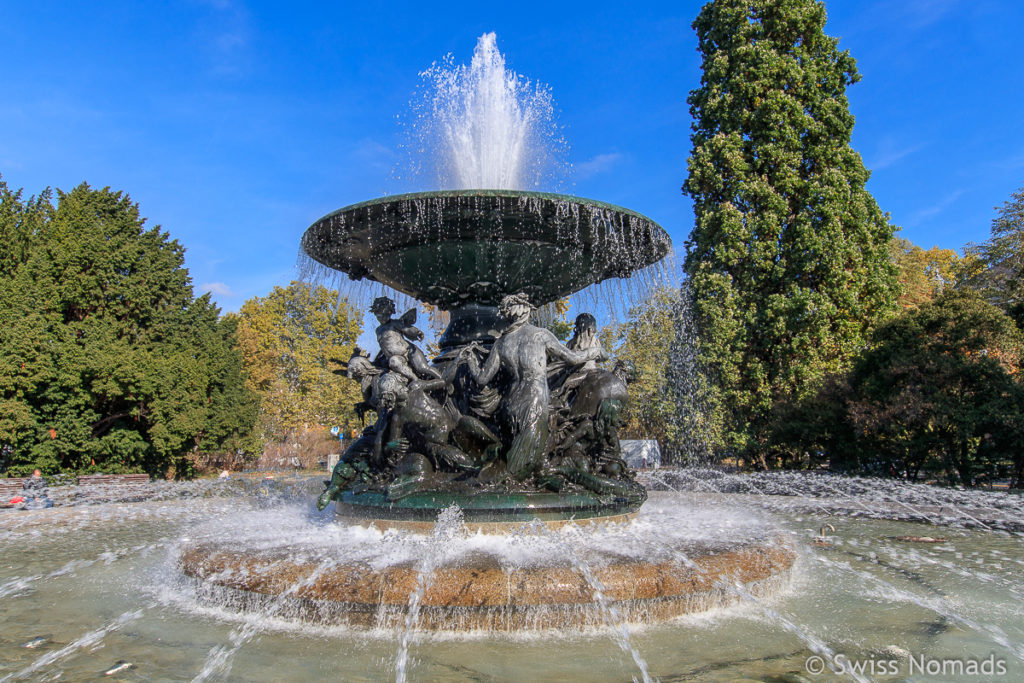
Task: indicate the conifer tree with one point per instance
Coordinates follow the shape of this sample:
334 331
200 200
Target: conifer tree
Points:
789 257
107 361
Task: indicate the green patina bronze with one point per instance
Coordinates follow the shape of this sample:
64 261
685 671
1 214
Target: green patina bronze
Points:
485 506
507 423
476 246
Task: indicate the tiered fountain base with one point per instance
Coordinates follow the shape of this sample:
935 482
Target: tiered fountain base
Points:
478 593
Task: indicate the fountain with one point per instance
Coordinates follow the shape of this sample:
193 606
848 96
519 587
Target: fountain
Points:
471 542
505 426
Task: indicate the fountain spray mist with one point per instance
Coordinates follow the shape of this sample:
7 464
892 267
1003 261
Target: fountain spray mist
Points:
483 126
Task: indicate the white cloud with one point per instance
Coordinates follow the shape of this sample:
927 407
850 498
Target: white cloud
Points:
372 154
225 34
218 288
1010 163
599 164
935 209
889 154
921 13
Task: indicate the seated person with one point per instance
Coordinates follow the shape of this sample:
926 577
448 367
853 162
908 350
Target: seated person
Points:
34 491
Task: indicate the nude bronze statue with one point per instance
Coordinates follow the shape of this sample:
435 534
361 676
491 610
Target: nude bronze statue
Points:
566 378
419 425
522 413
521 355
395 336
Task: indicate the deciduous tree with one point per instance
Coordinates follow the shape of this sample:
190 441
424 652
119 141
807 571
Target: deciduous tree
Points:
938 395
924 274
287 339
668 392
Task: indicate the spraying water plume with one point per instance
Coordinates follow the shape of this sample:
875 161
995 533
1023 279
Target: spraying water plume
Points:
486 126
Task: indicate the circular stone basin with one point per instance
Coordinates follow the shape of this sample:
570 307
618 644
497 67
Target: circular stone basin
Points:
476 246
478 593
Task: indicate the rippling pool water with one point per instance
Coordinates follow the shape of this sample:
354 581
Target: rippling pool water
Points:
100 585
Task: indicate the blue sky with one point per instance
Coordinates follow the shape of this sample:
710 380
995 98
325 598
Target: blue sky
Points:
237 124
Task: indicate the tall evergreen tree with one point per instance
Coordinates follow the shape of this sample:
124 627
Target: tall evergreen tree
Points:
107 362
789 258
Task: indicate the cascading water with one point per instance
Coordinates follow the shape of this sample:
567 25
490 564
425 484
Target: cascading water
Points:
85 591
476 129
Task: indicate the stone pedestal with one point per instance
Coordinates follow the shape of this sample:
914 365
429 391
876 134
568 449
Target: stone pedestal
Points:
480 594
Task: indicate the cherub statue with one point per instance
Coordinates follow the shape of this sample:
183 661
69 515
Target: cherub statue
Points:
395 336
361 369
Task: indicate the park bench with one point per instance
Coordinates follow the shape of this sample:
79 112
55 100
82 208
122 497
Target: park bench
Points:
112 479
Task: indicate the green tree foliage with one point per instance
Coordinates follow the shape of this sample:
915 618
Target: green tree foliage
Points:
287 339
645 341
789 258
924 274
667 390
938 396
109 363
1000 275
555 317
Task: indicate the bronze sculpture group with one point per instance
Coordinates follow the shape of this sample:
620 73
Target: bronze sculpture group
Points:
517 413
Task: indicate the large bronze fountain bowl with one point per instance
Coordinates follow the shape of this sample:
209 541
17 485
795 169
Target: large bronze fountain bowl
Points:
461 247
